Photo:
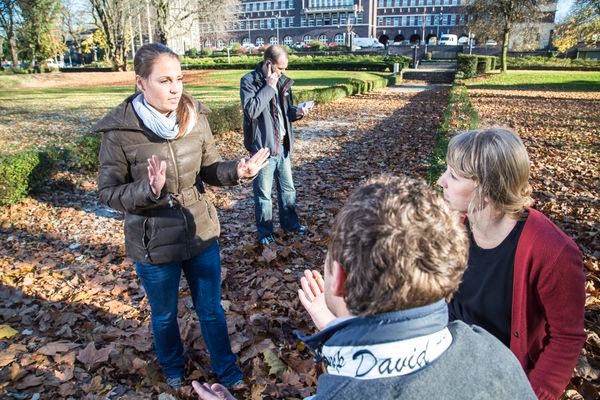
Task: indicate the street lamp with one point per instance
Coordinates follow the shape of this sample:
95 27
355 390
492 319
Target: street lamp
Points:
277 25
438 28
248 26
355 10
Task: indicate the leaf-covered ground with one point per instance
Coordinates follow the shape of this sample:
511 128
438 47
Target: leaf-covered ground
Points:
561 131
75 322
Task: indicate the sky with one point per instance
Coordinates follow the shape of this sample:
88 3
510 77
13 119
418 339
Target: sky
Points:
562 9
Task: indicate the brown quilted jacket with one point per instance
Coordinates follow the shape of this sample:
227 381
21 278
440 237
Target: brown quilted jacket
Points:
181 223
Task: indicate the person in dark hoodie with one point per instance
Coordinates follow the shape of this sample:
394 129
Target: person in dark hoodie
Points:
267 102
157 152
397 253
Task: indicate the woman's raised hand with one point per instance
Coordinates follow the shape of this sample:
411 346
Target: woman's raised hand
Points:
249 168
312 297
157 174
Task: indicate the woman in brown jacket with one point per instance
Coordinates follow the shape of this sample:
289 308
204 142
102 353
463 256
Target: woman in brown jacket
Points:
157 150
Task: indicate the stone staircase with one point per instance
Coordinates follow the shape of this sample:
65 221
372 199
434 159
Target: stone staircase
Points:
431 72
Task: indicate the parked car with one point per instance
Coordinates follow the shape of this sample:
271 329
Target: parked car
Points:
53 64
448 39
6 64
299 45
367 43
491 42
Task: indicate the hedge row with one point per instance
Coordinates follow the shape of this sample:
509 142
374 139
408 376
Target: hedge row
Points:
552 63
459 115
22 172
342 62
473 65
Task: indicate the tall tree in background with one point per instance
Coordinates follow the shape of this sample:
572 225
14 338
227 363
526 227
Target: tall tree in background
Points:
10 16
111 18
582 26
175 18
497 18
75 20
215 16
40 29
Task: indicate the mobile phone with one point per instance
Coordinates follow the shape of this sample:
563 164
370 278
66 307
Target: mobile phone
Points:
269 66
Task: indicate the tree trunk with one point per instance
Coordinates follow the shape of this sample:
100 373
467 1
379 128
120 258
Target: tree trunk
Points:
504 58
12 48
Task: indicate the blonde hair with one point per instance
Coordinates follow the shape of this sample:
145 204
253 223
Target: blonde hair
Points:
400 245
497 161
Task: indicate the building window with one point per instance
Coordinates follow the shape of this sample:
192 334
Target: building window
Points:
323 39
245 40
232 42
396 21
260 41
287 40
303 21
291 21
339 38
380 21
273 40
262 24
389 3
207 43
453 19
306 39
428 20
396 3
381 3
220 44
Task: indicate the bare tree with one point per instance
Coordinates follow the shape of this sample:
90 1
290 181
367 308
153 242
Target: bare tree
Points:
175 18
498 18
10 16
111 16
76 20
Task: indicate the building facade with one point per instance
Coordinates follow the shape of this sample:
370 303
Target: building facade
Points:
292 22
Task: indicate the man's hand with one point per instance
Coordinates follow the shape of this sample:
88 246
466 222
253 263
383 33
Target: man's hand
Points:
157 174
272 77
215 391
249 168
312 297
303 111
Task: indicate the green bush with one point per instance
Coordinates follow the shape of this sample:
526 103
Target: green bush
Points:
224 119
467 64
308 62
484 64
552 63
428 56
22 172
85 153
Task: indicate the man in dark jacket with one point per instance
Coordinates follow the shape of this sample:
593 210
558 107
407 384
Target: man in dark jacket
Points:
396 254
266 97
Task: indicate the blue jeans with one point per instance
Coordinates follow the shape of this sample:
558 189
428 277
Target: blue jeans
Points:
203 274
278 168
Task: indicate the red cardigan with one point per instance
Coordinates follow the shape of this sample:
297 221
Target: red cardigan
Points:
547 331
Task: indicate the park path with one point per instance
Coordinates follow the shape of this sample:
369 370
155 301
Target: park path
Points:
66 283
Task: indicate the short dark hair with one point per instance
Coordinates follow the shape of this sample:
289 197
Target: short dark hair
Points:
274 53
400 245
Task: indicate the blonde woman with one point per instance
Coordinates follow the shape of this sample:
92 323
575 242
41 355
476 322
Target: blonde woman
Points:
524 282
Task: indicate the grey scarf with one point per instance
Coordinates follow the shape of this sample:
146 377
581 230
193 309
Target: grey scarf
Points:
163 126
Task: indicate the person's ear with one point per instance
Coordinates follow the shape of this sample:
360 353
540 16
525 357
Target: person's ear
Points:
139 82
338 281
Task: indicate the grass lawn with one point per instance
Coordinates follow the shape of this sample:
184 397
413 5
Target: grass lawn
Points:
57 114
576 81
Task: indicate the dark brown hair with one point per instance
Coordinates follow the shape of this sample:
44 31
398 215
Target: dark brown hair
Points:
143 62
400 245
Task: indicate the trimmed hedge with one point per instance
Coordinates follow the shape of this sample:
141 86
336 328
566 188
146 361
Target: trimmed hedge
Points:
552 63
22 172
459 115
340 63
484 64
467 64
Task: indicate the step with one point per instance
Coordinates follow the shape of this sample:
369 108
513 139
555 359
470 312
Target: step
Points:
428 76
